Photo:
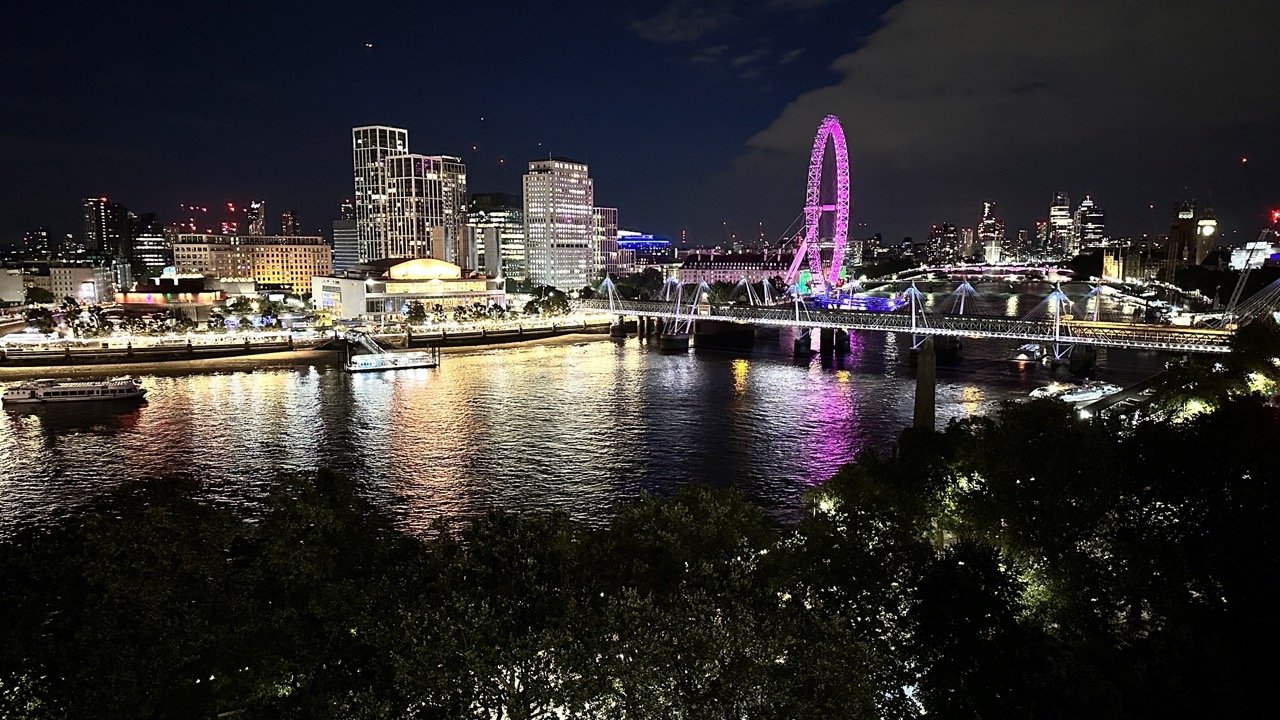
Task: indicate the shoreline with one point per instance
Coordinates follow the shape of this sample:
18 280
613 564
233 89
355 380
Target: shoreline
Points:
255 361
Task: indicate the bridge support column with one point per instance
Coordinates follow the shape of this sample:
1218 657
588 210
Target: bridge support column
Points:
718 334
804 343
842 342
1082 360
826 340
924 417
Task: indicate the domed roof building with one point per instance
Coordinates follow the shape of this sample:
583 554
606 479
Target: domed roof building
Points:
381 290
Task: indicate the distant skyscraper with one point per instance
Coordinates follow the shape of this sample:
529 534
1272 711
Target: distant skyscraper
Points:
1042 235
495 222
149 248
990 234
37 244
106 227
604 241
347 211
944 243
257 217
370 147
1088 226
289 224
558 203
1060 222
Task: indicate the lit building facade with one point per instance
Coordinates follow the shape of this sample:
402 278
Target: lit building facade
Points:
944 243
289 224
382 290
425 208
558 221
257 217
990 234
1191 236
85 284
272 260
1088 226
495 222
604 241
346 245
371 145
733 267
106 226
150 251
1060 221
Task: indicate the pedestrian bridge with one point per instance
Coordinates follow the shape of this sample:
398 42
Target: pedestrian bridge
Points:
1058 330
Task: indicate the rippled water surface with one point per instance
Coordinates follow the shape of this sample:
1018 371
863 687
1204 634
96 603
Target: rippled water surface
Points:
573 426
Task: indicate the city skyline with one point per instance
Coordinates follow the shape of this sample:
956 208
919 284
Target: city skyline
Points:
703 99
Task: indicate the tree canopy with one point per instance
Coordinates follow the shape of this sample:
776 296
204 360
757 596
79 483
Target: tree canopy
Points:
1027 564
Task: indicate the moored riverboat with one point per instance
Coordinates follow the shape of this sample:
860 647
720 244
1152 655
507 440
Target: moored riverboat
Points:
66 391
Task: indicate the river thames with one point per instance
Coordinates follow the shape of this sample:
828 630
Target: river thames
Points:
576 426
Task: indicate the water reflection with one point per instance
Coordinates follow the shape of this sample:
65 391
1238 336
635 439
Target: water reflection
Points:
573 427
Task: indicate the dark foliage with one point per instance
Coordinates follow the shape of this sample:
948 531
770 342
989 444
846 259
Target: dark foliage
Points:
1026 565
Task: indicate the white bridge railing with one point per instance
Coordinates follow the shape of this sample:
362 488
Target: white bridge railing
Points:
1064 331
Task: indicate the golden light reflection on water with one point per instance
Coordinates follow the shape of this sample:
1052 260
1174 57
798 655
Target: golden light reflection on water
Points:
739 367
573 428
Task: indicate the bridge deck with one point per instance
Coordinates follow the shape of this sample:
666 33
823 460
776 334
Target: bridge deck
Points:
1105 334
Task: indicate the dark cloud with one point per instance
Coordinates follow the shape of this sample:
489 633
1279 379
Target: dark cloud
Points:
710 55
975 93
684 21
790 56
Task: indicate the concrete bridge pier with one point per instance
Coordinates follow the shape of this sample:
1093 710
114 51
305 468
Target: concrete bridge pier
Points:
803 345
925 415
623 327
948 348
673 342
721 335
842 342
826 341
1083 359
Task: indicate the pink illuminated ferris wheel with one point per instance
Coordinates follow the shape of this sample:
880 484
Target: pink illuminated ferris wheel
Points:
833 204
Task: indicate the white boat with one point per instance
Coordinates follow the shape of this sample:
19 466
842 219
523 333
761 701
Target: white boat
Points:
375 362
1053 390
1089 392
63 391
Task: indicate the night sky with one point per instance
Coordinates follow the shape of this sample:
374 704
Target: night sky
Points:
694 115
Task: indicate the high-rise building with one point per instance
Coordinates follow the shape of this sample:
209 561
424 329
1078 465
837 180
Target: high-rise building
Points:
495 222
289 224
347 211
968 249
106 227
346 245
943 245
1020 248
558 202
426 207
37 244
990 234
1059 223
150 251
371 145
257 217
604 241
1088 226
1042 236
